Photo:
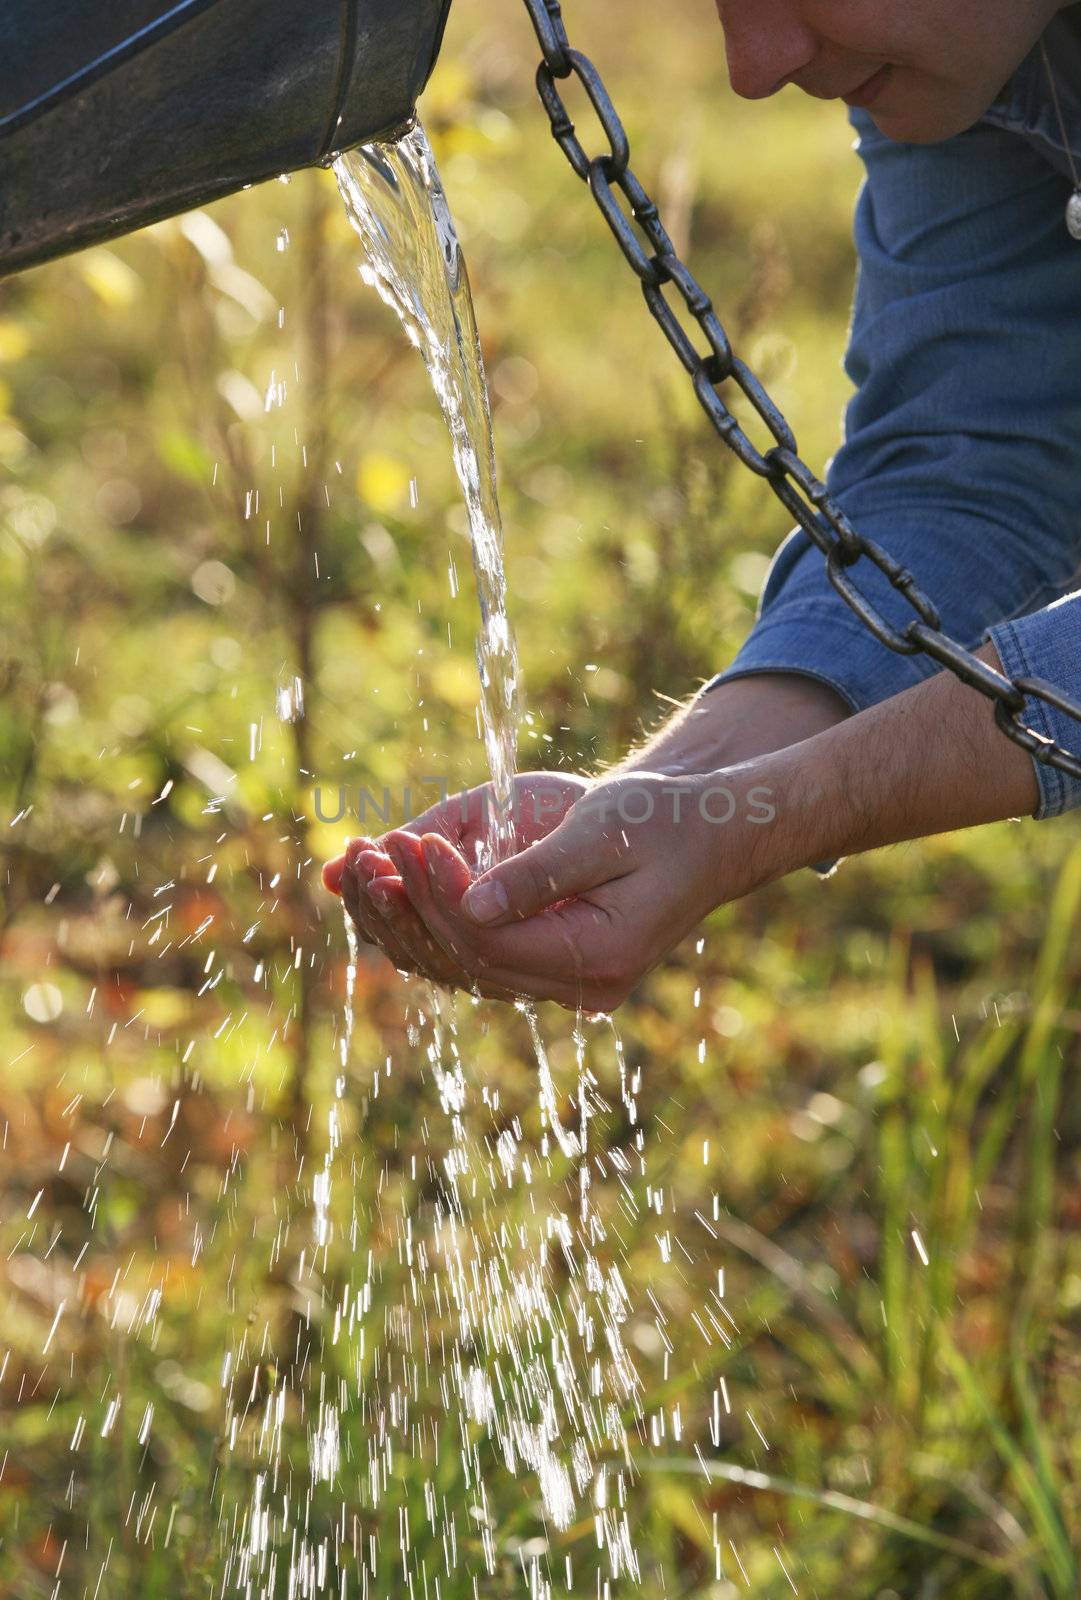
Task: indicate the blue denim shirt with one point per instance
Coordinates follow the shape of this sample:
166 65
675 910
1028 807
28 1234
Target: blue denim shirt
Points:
962 450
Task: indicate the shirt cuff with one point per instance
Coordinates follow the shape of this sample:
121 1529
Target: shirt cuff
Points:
818 639
1047 645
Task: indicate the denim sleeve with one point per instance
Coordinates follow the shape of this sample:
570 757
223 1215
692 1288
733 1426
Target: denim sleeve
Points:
1047 645
961 441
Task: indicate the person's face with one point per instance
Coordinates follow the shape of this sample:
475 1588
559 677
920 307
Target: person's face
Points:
924 69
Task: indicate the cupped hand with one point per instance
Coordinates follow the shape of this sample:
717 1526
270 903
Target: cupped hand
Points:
370 883
583 911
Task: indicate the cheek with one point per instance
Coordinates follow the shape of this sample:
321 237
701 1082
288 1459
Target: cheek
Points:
883 29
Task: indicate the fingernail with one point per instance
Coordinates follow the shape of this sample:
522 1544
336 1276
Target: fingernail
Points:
486 902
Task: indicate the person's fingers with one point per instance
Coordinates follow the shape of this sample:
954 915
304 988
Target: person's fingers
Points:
351 893
370 925
392 899
437 951
384 921
362 860
402 932
400 901
396 923
547 956
448 873
374 863
386 915
333 870
449 878
388 898
570 861
381 911
422 953
408 855
405 896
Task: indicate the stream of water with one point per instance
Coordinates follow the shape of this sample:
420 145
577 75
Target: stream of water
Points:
543 1375
413 259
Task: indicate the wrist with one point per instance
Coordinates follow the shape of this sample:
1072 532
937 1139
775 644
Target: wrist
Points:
929 760
739 721
807 785
758 821
787 808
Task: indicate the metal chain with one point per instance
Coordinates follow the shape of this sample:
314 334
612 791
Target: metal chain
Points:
659 269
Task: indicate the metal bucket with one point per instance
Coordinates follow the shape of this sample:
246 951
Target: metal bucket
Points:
115 113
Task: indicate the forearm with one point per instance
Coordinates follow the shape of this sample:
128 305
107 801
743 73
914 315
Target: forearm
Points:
927 761
737 721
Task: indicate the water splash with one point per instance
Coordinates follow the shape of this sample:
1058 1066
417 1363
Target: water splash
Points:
484 1347
534 1314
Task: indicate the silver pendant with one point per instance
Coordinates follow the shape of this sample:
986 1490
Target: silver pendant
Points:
1073 214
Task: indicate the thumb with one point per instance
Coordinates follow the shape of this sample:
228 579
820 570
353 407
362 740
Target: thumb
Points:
553 869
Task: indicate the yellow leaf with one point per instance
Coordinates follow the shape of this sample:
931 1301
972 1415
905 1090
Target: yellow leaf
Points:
164 1008
111 279
449 92
383 482
455 681
14 340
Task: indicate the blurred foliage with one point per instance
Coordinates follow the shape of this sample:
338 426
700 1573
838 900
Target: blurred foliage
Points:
224 478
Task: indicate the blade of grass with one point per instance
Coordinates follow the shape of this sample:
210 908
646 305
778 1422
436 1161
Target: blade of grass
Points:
830 1500
1042 1065
1033 1492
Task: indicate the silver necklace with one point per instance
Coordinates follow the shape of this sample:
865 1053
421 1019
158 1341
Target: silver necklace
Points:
1073 204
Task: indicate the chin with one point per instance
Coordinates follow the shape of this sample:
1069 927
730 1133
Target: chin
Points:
909 128
924 119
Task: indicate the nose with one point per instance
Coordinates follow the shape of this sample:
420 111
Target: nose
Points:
767 44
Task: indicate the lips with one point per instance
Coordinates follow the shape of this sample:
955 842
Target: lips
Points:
868 91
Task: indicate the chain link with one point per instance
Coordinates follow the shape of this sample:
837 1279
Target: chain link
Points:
658 267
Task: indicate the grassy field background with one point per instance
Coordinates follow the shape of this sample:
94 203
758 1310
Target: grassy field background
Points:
865 1087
